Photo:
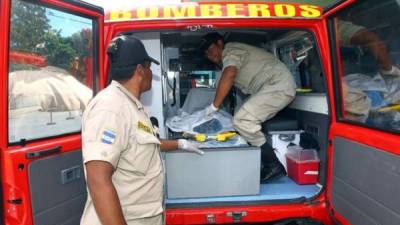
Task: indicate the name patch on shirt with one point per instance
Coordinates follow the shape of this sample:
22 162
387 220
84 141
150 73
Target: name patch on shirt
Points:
108 137
144 127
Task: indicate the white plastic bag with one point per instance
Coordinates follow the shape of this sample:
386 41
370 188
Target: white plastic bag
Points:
185 122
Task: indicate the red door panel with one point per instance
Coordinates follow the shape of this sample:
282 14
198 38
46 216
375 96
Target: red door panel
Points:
50 68
364 147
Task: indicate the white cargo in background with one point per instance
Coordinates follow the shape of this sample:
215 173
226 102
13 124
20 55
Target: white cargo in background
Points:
153 99
219 172
280 141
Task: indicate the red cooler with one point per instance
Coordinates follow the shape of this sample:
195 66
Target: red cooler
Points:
302 165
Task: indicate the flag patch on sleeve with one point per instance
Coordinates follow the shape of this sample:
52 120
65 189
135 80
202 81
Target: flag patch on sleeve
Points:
108 137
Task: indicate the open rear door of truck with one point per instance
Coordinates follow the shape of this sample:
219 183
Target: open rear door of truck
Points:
364 151
51 66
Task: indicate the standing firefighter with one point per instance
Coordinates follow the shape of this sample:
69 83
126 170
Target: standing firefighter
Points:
121 151
260 74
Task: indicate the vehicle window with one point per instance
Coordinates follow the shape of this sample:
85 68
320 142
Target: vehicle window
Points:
50 71
297 49
195 79
368 63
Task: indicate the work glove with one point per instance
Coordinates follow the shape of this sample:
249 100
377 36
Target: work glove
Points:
395 71
189 146
210 110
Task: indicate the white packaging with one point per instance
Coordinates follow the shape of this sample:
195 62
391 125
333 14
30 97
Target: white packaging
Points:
280 140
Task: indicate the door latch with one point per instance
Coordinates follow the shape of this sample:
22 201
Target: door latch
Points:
237 216
210 218
70 174
17 201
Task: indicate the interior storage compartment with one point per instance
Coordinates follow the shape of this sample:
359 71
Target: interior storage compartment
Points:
219 172
229 174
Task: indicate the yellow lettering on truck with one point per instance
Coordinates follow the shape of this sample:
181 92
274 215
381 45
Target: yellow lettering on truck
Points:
211 10
284 10
310 11
234 10
215 10
120 15
179 12
257 10
142 12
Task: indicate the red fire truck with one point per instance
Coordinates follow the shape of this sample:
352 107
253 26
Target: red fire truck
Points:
344 57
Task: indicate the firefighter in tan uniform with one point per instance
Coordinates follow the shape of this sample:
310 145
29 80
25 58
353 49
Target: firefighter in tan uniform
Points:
356 103
352 34
269 83
121 152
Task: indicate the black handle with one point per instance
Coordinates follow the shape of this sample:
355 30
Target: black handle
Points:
37 154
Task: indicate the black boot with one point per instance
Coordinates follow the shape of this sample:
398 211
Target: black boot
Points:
271 168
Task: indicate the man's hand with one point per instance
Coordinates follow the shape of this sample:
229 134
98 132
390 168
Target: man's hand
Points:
210 110
395 71
189 146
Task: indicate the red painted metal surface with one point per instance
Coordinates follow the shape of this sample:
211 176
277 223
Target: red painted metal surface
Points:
4 27
15 176
381 140
14 164
259 213
339 7
378 139
27 58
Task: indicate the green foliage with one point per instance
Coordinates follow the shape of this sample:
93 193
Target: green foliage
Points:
28 24
31 31
59 50
80 43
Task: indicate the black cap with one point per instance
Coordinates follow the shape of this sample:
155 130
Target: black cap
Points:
125 52
208 40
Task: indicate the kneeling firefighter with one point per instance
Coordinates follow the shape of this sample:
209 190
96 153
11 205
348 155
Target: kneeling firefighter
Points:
268 82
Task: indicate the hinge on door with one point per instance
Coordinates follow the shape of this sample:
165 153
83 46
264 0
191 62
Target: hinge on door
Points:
237 216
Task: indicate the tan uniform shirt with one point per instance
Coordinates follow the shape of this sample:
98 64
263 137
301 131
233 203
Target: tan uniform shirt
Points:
116 129
257 68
